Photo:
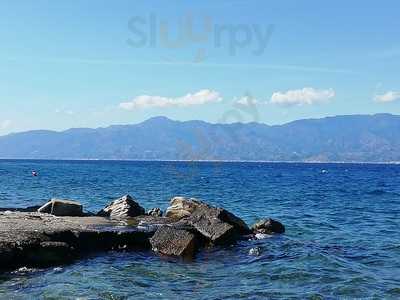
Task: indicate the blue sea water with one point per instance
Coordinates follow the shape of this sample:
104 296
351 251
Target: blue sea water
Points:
342 236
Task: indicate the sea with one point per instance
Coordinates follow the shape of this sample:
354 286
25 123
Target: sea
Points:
342 237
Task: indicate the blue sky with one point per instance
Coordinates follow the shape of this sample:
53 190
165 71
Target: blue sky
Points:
96 63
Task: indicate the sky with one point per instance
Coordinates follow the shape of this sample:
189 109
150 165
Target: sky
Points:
97 63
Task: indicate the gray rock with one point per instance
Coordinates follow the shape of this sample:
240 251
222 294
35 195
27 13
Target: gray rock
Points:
51 253
268 226
215 231
181 207
174 242
35 239
123 207
152 223
58 207
155 212
216 224
40 239
18 209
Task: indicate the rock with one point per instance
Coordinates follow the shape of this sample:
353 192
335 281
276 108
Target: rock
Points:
58 207
123 207
181 207
27 209
268 226
39 239
155 212
35 239
216 224
152 223
174 242
51 253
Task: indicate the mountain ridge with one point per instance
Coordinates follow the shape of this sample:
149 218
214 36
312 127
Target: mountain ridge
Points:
346 138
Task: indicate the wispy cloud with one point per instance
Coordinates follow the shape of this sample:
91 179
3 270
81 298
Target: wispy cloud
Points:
305 96
387 97
5 124
146 101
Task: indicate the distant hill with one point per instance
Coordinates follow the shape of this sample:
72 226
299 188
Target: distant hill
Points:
358 138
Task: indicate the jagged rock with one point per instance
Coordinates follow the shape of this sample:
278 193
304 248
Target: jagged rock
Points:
216 224
181 207
155 212
268 226
174 242
58 207
123 207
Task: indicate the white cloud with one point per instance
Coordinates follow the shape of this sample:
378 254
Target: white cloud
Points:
146 101
387 97
305 96
5 124
247 101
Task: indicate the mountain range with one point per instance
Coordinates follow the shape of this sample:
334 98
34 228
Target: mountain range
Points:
353 138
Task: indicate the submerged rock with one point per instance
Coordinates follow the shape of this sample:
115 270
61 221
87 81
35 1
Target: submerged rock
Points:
155 212
173 241
58 207
268 226
123 207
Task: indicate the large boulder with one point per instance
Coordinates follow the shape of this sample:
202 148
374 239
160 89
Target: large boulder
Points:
173 241
216 224
123 207
58 207
268 226
181 207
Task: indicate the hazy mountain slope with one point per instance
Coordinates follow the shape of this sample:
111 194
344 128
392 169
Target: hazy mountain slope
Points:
341 138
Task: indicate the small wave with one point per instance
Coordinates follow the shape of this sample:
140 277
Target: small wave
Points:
24 270
262 236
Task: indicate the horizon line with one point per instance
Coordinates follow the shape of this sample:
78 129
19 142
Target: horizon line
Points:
206 161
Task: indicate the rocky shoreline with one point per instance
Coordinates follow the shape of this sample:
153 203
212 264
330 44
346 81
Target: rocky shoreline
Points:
59 232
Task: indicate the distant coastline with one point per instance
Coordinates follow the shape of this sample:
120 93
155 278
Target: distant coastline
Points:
341 139
207 161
